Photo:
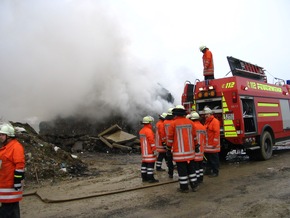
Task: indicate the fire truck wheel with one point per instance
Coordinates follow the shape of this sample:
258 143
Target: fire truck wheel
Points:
266 144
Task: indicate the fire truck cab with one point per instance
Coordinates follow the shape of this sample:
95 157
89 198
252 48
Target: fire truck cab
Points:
254 115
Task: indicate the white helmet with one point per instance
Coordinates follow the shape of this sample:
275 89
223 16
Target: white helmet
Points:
188 116
163 115
207 110
179 107
201 48
7 129
169 112
194 115
147 119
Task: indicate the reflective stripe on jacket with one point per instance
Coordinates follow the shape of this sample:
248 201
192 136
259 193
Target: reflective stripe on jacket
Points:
147 142
200 138
181 137
208 68
12 158
10 195
212 126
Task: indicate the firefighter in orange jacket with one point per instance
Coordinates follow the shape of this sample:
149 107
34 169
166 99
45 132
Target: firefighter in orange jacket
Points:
148 150
160 140
12 163
212 147
168 120
181 138
199 149
208 66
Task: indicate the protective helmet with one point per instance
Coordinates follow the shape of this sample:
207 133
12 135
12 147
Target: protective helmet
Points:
163 115
7 129
179 107
147 119
152 118
194 115
201 48
169 112
188 116
179 110
207 110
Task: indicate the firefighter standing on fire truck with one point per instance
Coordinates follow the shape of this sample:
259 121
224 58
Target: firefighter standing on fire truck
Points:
160 140
148 150
199 151
212 146
12 162
181 138
208 66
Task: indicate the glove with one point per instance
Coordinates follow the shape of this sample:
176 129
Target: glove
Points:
18 177
197 148
164 145
155 153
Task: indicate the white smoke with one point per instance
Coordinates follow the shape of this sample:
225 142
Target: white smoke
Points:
69 57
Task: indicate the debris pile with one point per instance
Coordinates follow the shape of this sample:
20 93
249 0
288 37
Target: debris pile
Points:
77 135
45 161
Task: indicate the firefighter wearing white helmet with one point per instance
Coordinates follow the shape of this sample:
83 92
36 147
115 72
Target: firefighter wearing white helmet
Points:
12 163
181 138
148 150
208 66
160 140
199 148
168 120
212 147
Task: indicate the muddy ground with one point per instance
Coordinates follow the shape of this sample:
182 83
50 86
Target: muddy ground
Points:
243 189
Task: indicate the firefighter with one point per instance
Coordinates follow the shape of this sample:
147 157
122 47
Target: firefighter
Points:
181 138
208 66
199 149
12 163
160 140
212 147
148 150
167 122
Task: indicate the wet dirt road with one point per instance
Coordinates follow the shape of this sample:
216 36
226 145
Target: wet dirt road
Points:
243 189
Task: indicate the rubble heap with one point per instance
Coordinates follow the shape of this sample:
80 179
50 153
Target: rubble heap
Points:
45 161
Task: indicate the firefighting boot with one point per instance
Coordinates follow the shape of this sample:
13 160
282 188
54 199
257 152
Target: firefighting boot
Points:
194 186
144 177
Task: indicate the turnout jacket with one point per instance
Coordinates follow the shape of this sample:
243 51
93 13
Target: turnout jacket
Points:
160 136
208 68
147 142
212 126
181 136
200 139
12 158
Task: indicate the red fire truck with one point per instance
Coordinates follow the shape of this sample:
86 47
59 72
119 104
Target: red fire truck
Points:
254 114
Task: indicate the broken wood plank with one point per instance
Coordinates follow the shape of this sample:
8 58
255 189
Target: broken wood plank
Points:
112 129
122 147
106 142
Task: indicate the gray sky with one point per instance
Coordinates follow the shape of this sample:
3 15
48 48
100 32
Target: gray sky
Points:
62 57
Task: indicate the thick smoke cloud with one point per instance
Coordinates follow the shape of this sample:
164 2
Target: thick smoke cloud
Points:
61 58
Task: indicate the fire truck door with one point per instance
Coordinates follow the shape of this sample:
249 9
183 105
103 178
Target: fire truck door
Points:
249 115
